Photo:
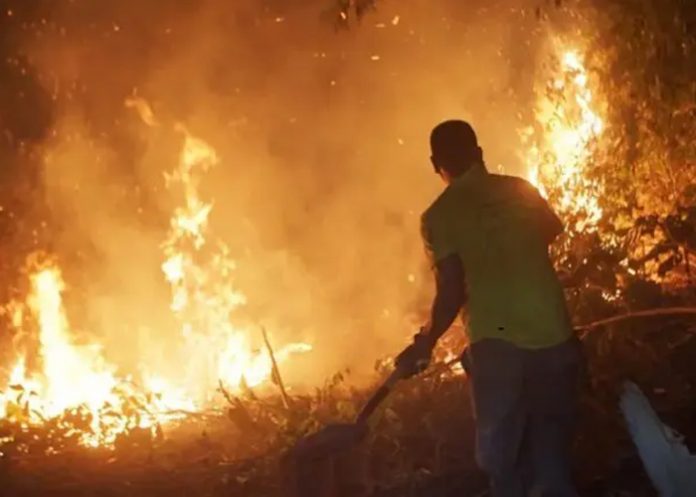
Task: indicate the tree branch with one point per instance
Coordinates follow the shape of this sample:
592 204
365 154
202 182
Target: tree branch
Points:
665 311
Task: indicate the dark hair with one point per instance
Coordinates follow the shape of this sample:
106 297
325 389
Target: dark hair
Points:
454 143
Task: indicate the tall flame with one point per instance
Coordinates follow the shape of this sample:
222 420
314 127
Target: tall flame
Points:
73 375
559 154
77 378
203 295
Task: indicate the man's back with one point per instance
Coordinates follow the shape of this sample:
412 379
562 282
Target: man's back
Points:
488 237
498 225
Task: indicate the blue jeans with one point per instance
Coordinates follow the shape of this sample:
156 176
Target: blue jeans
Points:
525 404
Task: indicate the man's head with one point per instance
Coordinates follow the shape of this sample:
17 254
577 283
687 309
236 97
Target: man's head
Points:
454 148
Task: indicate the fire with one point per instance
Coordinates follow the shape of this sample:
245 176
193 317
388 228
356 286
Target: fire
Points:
203 295
74 375
558 156
75 382
221 343
75 378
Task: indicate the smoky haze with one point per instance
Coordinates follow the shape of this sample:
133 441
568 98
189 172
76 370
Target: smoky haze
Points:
322 138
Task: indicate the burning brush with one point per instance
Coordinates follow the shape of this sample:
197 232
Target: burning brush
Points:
75 382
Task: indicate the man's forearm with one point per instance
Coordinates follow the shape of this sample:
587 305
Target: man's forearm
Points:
444 311
450 296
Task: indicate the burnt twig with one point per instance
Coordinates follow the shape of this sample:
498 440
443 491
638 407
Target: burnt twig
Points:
238 413
277 379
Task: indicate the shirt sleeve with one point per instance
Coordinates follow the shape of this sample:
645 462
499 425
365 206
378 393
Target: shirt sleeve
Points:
550 224
436 239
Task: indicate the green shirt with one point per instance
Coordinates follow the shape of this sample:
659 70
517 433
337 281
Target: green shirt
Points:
496 225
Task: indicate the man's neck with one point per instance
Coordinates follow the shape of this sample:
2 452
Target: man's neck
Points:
453 176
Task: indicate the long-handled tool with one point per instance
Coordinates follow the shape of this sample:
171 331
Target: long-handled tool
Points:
337 437
312 461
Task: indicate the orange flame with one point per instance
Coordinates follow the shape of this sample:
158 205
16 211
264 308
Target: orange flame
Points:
203 295
74 375
559 154
77 377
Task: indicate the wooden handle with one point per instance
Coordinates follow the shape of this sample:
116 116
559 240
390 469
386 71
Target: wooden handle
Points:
377 398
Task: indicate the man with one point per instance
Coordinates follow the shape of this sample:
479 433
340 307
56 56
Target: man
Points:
487 236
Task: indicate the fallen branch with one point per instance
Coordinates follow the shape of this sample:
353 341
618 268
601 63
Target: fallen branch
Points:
277 379
208 413
584 328
666 311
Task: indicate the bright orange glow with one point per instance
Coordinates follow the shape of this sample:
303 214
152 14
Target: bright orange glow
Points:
203 294
559 154
78 378
74 375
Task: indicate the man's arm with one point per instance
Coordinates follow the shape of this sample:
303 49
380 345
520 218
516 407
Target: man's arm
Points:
450 296
551 225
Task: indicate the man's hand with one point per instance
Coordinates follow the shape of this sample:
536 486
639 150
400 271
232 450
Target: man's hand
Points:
449 298
415 358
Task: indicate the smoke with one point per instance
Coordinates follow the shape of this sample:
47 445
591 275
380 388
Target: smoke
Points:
322 136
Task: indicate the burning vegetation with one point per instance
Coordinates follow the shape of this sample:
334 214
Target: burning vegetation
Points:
75 385
568 116
76 380
203 219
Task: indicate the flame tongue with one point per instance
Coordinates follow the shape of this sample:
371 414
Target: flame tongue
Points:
559 155
74 375
203 295
76 379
